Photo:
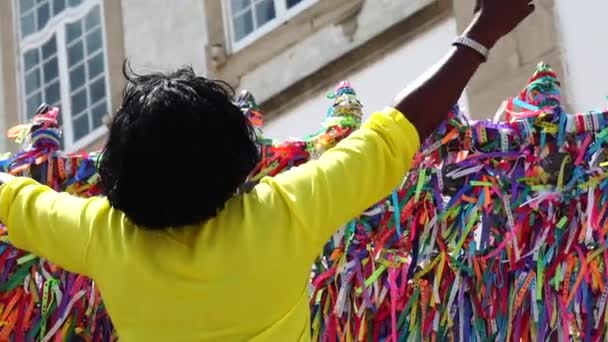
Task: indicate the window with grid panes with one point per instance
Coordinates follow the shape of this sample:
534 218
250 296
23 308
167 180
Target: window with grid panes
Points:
63 63
247 20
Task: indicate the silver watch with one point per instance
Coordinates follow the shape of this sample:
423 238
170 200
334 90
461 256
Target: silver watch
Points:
470 43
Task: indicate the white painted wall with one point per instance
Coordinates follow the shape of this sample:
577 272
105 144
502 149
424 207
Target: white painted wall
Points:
584 45
161 35
376 85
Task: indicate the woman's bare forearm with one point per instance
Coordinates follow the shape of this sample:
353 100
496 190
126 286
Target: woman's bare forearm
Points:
427 101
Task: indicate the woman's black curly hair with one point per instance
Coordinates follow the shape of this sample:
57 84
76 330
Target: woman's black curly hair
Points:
178 149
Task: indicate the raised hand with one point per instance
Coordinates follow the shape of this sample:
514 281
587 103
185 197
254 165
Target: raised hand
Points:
427 101
496 18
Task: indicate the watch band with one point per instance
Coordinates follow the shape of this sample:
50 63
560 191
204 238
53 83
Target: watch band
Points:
470 43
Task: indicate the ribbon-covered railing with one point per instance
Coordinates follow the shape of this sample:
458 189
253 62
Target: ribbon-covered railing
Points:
497 233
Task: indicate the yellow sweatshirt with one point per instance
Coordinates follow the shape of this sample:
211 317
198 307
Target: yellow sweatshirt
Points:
241 276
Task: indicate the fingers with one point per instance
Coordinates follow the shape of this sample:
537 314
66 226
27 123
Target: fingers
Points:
529 9
524 3
528 4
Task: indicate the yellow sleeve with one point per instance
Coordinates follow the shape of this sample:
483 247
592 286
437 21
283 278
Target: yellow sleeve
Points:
318 197
52 225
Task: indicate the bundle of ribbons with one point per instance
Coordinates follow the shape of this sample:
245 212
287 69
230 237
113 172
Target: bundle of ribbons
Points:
498 233
41 302
343 118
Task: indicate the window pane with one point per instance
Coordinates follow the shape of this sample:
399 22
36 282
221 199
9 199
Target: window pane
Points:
49 48
94 41
98 90
243 25
32 103
81 127
27 25
264 12
79 102
96 66
93 18
58 6
52 93
85 59
32 81
239 5
74 31
51 70
98 112
77 77
75 54
291 3
30 59
25 5
44 13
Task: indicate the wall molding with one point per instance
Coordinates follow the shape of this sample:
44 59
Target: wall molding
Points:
231 67
357 59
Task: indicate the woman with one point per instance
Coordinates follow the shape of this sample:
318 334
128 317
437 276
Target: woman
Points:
177 256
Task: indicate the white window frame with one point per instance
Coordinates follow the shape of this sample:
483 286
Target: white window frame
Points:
57 26
282 15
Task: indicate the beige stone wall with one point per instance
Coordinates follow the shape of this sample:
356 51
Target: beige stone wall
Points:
332 40
161 35
305 45
377 81
513 60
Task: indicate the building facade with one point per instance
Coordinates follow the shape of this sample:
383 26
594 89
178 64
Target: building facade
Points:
289 53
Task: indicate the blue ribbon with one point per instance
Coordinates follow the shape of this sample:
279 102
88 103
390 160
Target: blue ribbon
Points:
396 212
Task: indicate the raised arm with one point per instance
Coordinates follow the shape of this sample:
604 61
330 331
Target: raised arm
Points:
308 203
426 101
